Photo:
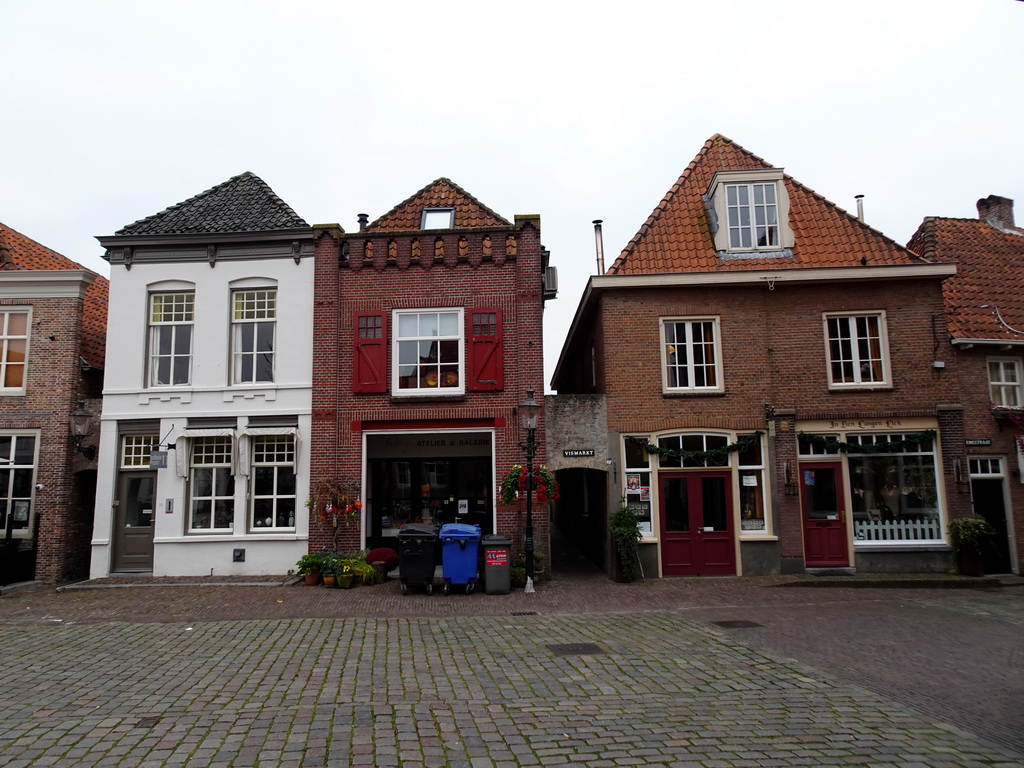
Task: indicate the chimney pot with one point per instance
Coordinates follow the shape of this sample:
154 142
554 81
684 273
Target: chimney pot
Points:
363 219
997 211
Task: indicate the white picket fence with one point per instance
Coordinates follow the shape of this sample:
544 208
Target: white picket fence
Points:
897 530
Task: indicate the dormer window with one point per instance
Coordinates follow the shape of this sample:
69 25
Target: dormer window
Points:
438 218
753 216
750 212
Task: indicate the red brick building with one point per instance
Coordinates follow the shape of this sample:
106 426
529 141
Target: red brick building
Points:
53 315
427 334
985 321
777 391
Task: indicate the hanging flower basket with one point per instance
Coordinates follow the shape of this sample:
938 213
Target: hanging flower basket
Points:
513 484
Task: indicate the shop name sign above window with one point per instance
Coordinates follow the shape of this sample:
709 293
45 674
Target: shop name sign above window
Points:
865 423
571 452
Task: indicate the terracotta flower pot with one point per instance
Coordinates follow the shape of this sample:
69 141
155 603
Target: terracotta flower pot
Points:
330 579
312 578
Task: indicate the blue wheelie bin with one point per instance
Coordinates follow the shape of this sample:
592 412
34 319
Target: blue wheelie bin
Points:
460 545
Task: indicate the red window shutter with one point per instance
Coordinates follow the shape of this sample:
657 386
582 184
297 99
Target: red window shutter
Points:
370 353
485 363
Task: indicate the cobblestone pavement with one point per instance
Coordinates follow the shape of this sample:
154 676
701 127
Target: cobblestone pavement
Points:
584 672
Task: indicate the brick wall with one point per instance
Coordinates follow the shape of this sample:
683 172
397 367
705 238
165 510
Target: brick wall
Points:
480 269
54 387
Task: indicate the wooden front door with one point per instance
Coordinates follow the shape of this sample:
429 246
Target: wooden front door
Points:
826 542
987 496
133 522
696 524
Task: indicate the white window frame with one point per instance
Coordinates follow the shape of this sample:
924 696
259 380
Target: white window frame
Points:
281 458
858 359
718 196
183 318
758 471
691 366
400 352
253 313
1004 385
634 496
751 220
437 218
9 343
213 461
136 450
25 502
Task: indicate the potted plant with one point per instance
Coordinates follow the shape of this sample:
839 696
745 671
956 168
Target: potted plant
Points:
965 536
331 567
626 538
311 566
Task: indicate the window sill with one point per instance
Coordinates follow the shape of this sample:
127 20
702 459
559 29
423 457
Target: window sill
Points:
758 537
904 546
221 536
693 393
419 398
833 388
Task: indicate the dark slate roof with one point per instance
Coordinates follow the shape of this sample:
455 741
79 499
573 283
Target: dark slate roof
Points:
243 203
985 299
440 193
677 236
20 252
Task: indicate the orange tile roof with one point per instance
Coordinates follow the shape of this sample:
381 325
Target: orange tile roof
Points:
989 280
677 236
442 193
20 252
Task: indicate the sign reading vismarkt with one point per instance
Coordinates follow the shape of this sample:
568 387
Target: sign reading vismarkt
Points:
571 452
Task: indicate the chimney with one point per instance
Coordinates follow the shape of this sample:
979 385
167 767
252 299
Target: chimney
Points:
860 206
599 243
997 211
363 219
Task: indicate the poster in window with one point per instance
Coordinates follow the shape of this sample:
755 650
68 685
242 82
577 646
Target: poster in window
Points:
633 483
645 493
20 513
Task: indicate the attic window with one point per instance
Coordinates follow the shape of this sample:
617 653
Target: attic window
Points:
749 212
438 218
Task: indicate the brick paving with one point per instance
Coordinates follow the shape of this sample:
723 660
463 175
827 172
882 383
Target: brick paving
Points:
232 676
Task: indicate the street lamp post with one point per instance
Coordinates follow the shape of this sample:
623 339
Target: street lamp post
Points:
529 412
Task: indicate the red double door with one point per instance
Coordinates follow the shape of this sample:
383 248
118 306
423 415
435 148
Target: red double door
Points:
697 536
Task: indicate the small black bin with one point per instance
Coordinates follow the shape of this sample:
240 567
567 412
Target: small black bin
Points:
416 555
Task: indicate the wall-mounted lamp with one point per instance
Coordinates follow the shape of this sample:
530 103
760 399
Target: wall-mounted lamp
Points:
81 420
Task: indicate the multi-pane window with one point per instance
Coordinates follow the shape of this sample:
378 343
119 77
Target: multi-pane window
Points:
894 489
273 482
17 479
753 215
254 325
1004 382
750 459
14 351
856 349
710 451
428 352
170 338
211 485
135 450
638 482
691 358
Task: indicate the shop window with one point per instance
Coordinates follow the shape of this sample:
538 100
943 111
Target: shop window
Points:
17 481
273 483
171 317
211 485
14 327
690 354
428 352
753 518
1004 382
638 481
894 489
857 350
254 329
819 445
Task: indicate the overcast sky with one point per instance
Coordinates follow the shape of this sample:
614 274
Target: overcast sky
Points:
112 111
